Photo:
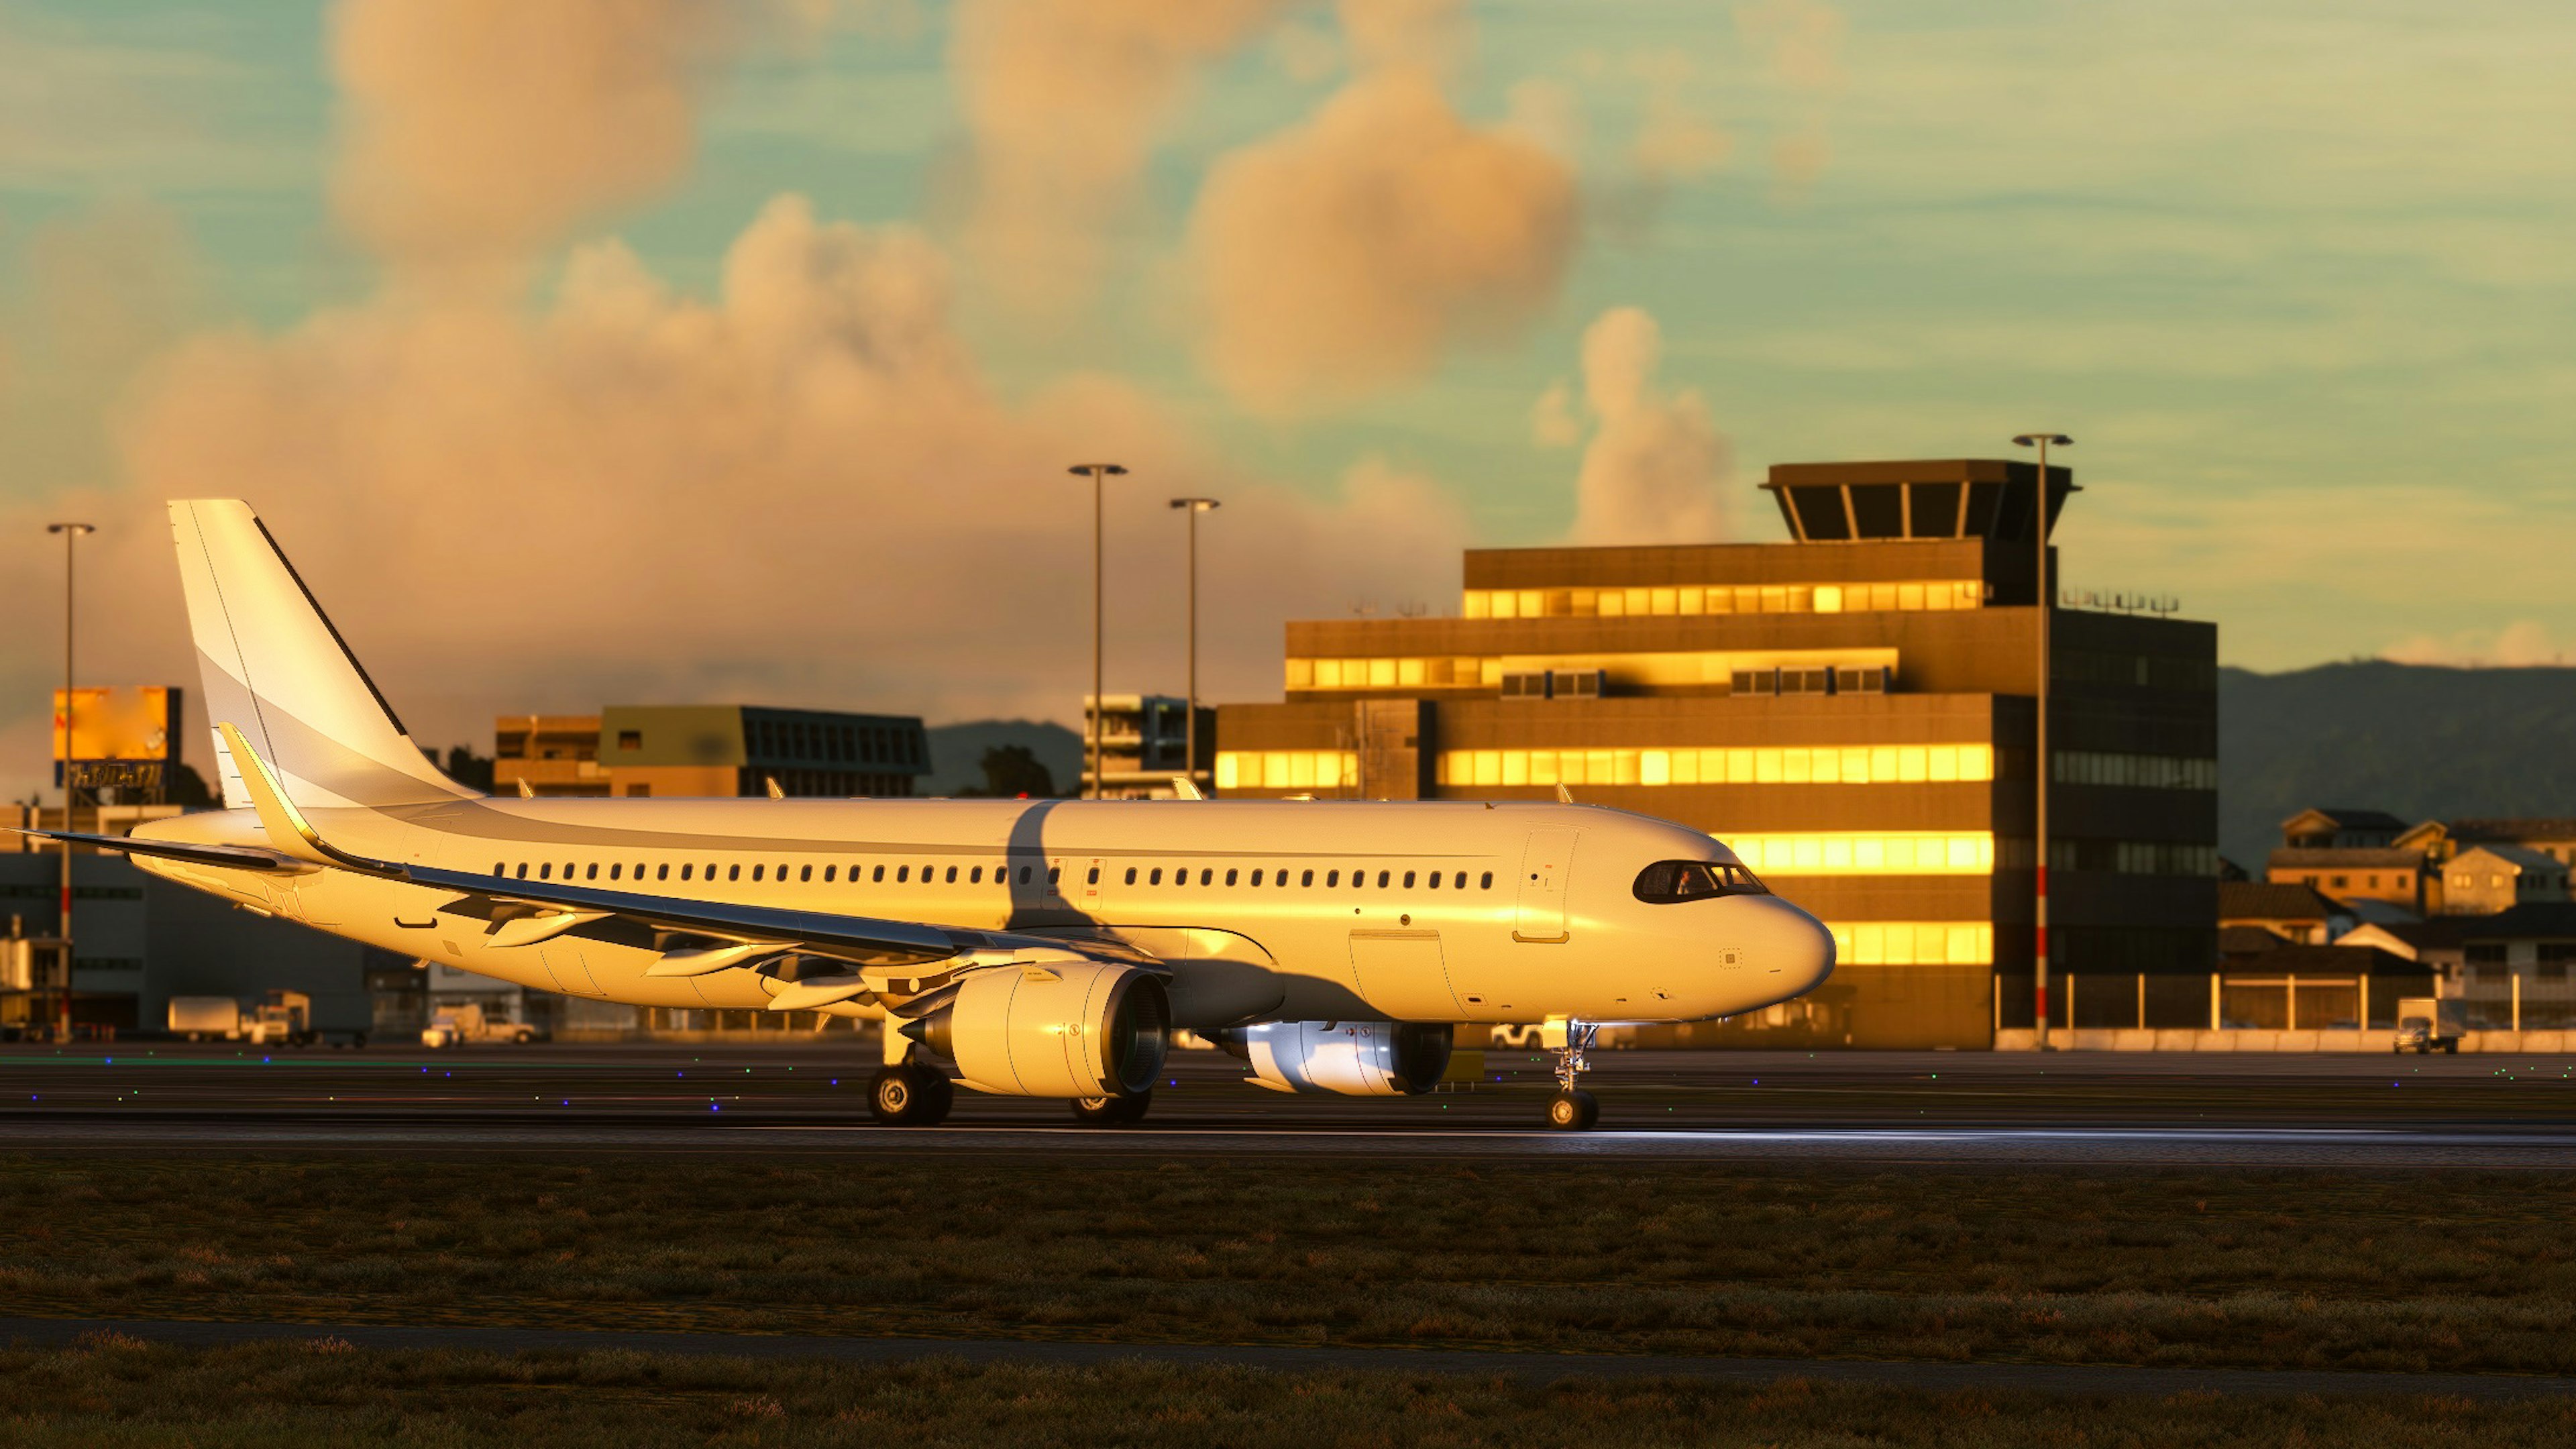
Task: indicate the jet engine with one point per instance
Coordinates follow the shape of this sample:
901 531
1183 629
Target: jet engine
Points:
1349 1058
1069 1029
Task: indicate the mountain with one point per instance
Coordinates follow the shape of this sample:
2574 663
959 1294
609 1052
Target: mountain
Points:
2421 742
957 753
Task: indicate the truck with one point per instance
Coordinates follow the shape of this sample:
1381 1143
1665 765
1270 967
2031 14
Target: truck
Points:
2429 1024
282 1018
456 1025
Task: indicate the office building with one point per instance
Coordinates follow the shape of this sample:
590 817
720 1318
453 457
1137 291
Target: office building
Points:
709 750
1850 710
1144 744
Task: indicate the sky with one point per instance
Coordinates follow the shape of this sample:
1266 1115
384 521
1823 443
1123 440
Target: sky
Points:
616 351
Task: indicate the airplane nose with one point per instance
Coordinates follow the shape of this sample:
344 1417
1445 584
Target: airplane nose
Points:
1792 949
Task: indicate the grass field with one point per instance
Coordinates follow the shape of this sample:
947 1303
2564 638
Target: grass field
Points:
113 1393
2456 1271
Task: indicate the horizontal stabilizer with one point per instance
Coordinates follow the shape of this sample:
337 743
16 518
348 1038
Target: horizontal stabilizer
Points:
228 857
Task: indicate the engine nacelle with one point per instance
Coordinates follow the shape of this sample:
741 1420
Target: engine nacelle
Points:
1074 1029
1347 1058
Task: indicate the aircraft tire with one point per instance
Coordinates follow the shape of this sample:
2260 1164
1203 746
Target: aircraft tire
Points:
909 1096
1573 1111
1111 1111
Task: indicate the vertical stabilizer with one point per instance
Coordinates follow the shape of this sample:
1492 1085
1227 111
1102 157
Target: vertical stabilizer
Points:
276 670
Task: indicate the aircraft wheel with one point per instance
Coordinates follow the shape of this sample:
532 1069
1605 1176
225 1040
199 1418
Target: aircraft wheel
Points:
1573 1111
1111 1111
910 1096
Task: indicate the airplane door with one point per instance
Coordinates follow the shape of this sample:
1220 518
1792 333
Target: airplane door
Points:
1088 892
1545 865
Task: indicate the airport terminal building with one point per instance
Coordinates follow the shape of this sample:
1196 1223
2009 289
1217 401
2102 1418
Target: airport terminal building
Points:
1850 710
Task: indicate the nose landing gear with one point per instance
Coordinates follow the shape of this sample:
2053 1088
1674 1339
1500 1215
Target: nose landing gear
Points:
1572 1109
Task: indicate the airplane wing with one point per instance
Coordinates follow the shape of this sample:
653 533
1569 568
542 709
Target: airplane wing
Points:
896 960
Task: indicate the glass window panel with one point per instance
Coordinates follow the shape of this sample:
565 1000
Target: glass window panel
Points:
1797 766
1808 852
1569 767
1882 596
1959 946
1939 596
1976 762
1532 603
1838 852
1301 674
1274 770
1640 601
1900 852
1720 601
1774 599
1829 599
1477 604
1766 767
1910 763
1623 767
1408 671
1381 673
1516 767
1229 771
1668 767
1609 603
1943 762
1739 767
1869 945
1691 601
1328 673
1662 601
1826 766
1543 769
1869 853
1712 767
1929 944
1600 768
1802 599
1855 765
1909 596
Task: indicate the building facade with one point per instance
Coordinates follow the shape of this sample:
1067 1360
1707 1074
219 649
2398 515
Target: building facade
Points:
1851 711
1145 744
710 750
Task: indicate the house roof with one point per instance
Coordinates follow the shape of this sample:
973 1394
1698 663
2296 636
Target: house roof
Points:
2347 818
2532 920
2535 827
2265 900
2377 857
2520 857
2291 960
2236 941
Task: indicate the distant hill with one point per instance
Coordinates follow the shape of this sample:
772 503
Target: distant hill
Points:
957 753
2421 742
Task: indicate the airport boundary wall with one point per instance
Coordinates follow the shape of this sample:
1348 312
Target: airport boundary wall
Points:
2344 1040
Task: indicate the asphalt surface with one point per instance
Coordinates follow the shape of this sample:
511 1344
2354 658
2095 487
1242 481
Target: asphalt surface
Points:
2088 1379
2070 1108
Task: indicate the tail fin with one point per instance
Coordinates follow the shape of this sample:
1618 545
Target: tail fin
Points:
275 669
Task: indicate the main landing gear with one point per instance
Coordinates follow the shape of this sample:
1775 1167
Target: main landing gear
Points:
910 1096
1572 1109
1112 1111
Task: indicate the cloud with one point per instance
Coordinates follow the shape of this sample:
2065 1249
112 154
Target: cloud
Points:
1063 100
2522 644
801 488
1801 43
1353 251
110 286
1651 471
478 131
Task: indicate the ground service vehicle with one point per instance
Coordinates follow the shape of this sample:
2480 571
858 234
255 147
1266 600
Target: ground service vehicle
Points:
283 1018
1034 948
457 1025
2429 1024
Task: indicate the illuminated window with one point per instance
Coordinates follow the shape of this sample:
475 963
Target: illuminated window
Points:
1884 853
1818 765
1913 943
1286 769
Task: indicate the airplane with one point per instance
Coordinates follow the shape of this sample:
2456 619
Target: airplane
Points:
1030 948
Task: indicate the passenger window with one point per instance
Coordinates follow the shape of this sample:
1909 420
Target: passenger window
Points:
500 868
755 872
710 871
1025 872
1131 875
903 873
1488 882
1156 878
1283 877
613 870
830 873
876 875
1207 876
1095 875
567 870
1331 878
1304 880
1381 880
952 875
546 870
976 876
1435 880
1408 880
663 872
592 873
733 872
684 871
1461 882
523 870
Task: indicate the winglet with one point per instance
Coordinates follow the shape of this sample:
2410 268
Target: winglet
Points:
1184 788
1564 796
288 831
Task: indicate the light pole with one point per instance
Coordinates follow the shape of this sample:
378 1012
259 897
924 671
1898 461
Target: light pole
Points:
1190 711
71 533
1097 472
2042 595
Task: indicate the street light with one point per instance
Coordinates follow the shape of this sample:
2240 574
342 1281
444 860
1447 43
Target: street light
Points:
2042 595
1096 471
1190 711
71 533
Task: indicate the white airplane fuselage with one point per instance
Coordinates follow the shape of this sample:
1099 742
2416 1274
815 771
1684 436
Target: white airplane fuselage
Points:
1451 911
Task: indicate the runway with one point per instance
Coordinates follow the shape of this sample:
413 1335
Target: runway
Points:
2075 1109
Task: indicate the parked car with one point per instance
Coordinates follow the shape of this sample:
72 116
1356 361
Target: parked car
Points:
456 1025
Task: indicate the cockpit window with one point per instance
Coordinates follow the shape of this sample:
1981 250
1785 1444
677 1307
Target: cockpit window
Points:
1669 881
